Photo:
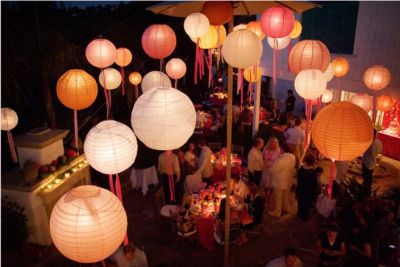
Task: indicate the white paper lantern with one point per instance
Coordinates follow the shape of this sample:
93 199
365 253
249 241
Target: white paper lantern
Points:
310 83
196 25
329 73
110 78
163 118
9 119
281 42
175 68
362 100
155 79
327 96
240 27
110 147
88 224
242 49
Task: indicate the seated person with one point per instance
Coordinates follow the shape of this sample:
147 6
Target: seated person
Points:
239 188
255 205
289 259
186 222
129 256
219 229
331 246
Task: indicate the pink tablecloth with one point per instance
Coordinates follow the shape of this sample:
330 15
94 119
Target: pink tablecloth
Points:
391 145
205 229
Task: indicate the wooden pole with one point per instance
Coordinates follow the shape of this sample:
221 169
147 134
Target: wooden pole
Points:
256 108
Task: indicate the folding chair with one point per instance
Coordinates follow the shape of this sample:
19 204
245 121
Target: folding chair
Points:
214 146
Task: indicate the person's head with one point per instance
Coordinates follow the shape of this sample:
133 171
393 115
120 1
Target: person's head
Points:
253 189
297 121
187 200
309 160
259 143
290 92
290 254
129 251
332 229
191 146
273 144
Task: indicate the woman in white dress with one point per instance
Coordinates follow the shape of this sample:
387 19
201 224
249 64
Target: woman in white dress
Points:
271 152
190 158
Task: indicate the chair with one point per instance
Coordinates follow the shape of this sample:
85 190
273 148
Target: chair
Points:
234 230
309 258
238 149
214 146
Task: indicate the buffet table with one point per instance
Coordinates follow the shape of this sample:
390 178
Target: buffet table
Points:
390 145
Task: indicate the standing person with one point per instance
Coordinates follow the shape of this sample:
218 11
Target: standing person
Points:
289 259
307 187
294 139
331 246
255 162
369 159
165 170
290 104
190 158
271 152
204 162
129 256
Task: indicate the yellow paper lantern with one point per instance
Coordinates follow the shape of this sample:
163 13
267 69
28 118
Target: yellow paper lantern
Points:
124 57
342 131
209 40
327 96
76 89
101 53
9 119
328 74
377 77
340 66
251 75
175 68
255 26
88 224
310 84
196 25
296 30
385 103
135 78
110 78
155 79
221 35
278 43
362 100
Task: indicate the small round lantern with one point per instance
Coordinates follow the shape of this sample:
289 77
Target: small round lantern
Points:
255 26
110 78
221 35
385 103
377 77
124 57
88 224
327 96
218 12
110 147
155 79
362 100
252 76
279 43
328 74
163 118
135 78
9 119
310 84
158 41
277 22
296 30
175 68
340 66
309 54
101 53
196 25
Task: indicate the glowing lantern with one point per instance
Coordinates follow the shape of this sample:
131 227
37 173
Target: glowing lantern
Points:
385 103
101 53
88 224
209 40
159 41
110 147
278 43
340 66
221 35
163 118
328 74
362 100
124 57
110 78
9 119
240 27
135 78
175 68
255 26
327 96
309 54
296 30
252 76
310 84
377 77
155 79
277 22
196 25
218 12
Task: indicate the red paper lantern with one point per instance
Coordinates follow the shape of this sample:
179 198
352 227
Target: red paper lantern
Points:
385 103
218 13
159 41
277 22
309 54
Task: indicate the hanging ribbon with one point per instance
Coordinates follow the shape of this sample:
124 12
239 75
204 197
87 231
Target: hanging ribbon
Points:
210 81
288 52
374 109
136 92
331 176
170 175
76 131
218 56
240 87
162 65
109 103
196 62
105 94
201 59
338 92
308 120
12 146
111 183
103 263
176 83
319 101
274 61
119 195
122 80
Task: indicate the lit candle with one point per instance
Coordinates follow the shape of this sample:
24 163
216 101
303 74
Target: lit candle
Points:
49 186
57 181
67 174
73 169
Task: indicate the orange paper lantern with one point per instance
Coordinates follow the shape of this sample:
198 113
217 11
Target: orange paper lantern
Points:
76 89
209 40
385 103
362 100
135 78
124 57
296 30
101 53
340 66
221 35
309 54
277 22
255 26
377 77
218 13
158 41
342 131
251 75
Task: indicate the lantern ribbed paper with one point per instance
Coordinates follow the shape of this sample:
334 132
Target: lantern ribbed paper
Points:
163 118
252 76
209 40
281 42
101 53
110 147
242 49
327 96
340 66
155 79
309 54
240 27
328 74
135 78
255 26
221 35
377 77
158 41
88 224
110 78
77 89
175 68
218 12
196 25
277 22
310 84
342 131
296 30
385 103
9 119
124 57
362 100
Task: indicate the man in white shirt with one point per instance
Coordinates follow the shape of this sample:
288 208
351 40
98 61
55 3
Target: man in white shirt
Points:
255 161
294 140
369 160
165 170
129 256
289 259
204 162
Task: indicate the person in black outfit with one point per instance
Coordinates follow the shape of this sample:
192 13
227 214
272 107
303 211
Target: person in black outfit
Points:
255 206
307 187
290 104
331 246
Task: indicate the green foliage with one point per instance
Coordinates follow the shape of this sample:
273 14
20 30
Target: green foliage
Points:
13 224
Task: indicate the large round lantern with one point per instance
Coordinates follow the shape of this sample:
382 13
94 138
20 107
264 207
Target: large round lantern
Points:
218 12
155 79
296 30
385 103
163 118
277 22
221 35
252 75
310 84
110 147
377 77
175 68
255 26
240 27
327 96
209 40
101 53
196 25
77 89
362 100
278 43
124 57
110 78
309 54
135 78
158 41
88 224
242 49
340 66
9 119
328 74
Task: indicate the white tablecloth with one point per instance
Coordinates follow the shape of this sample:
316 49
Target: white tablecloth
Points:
143 178
168 209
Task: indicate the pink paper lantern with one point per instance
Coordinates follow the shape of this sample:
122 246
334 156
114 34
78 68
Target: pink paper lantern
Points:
101 53
362 100
159 41
377 77
309 54
175 68
277 22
